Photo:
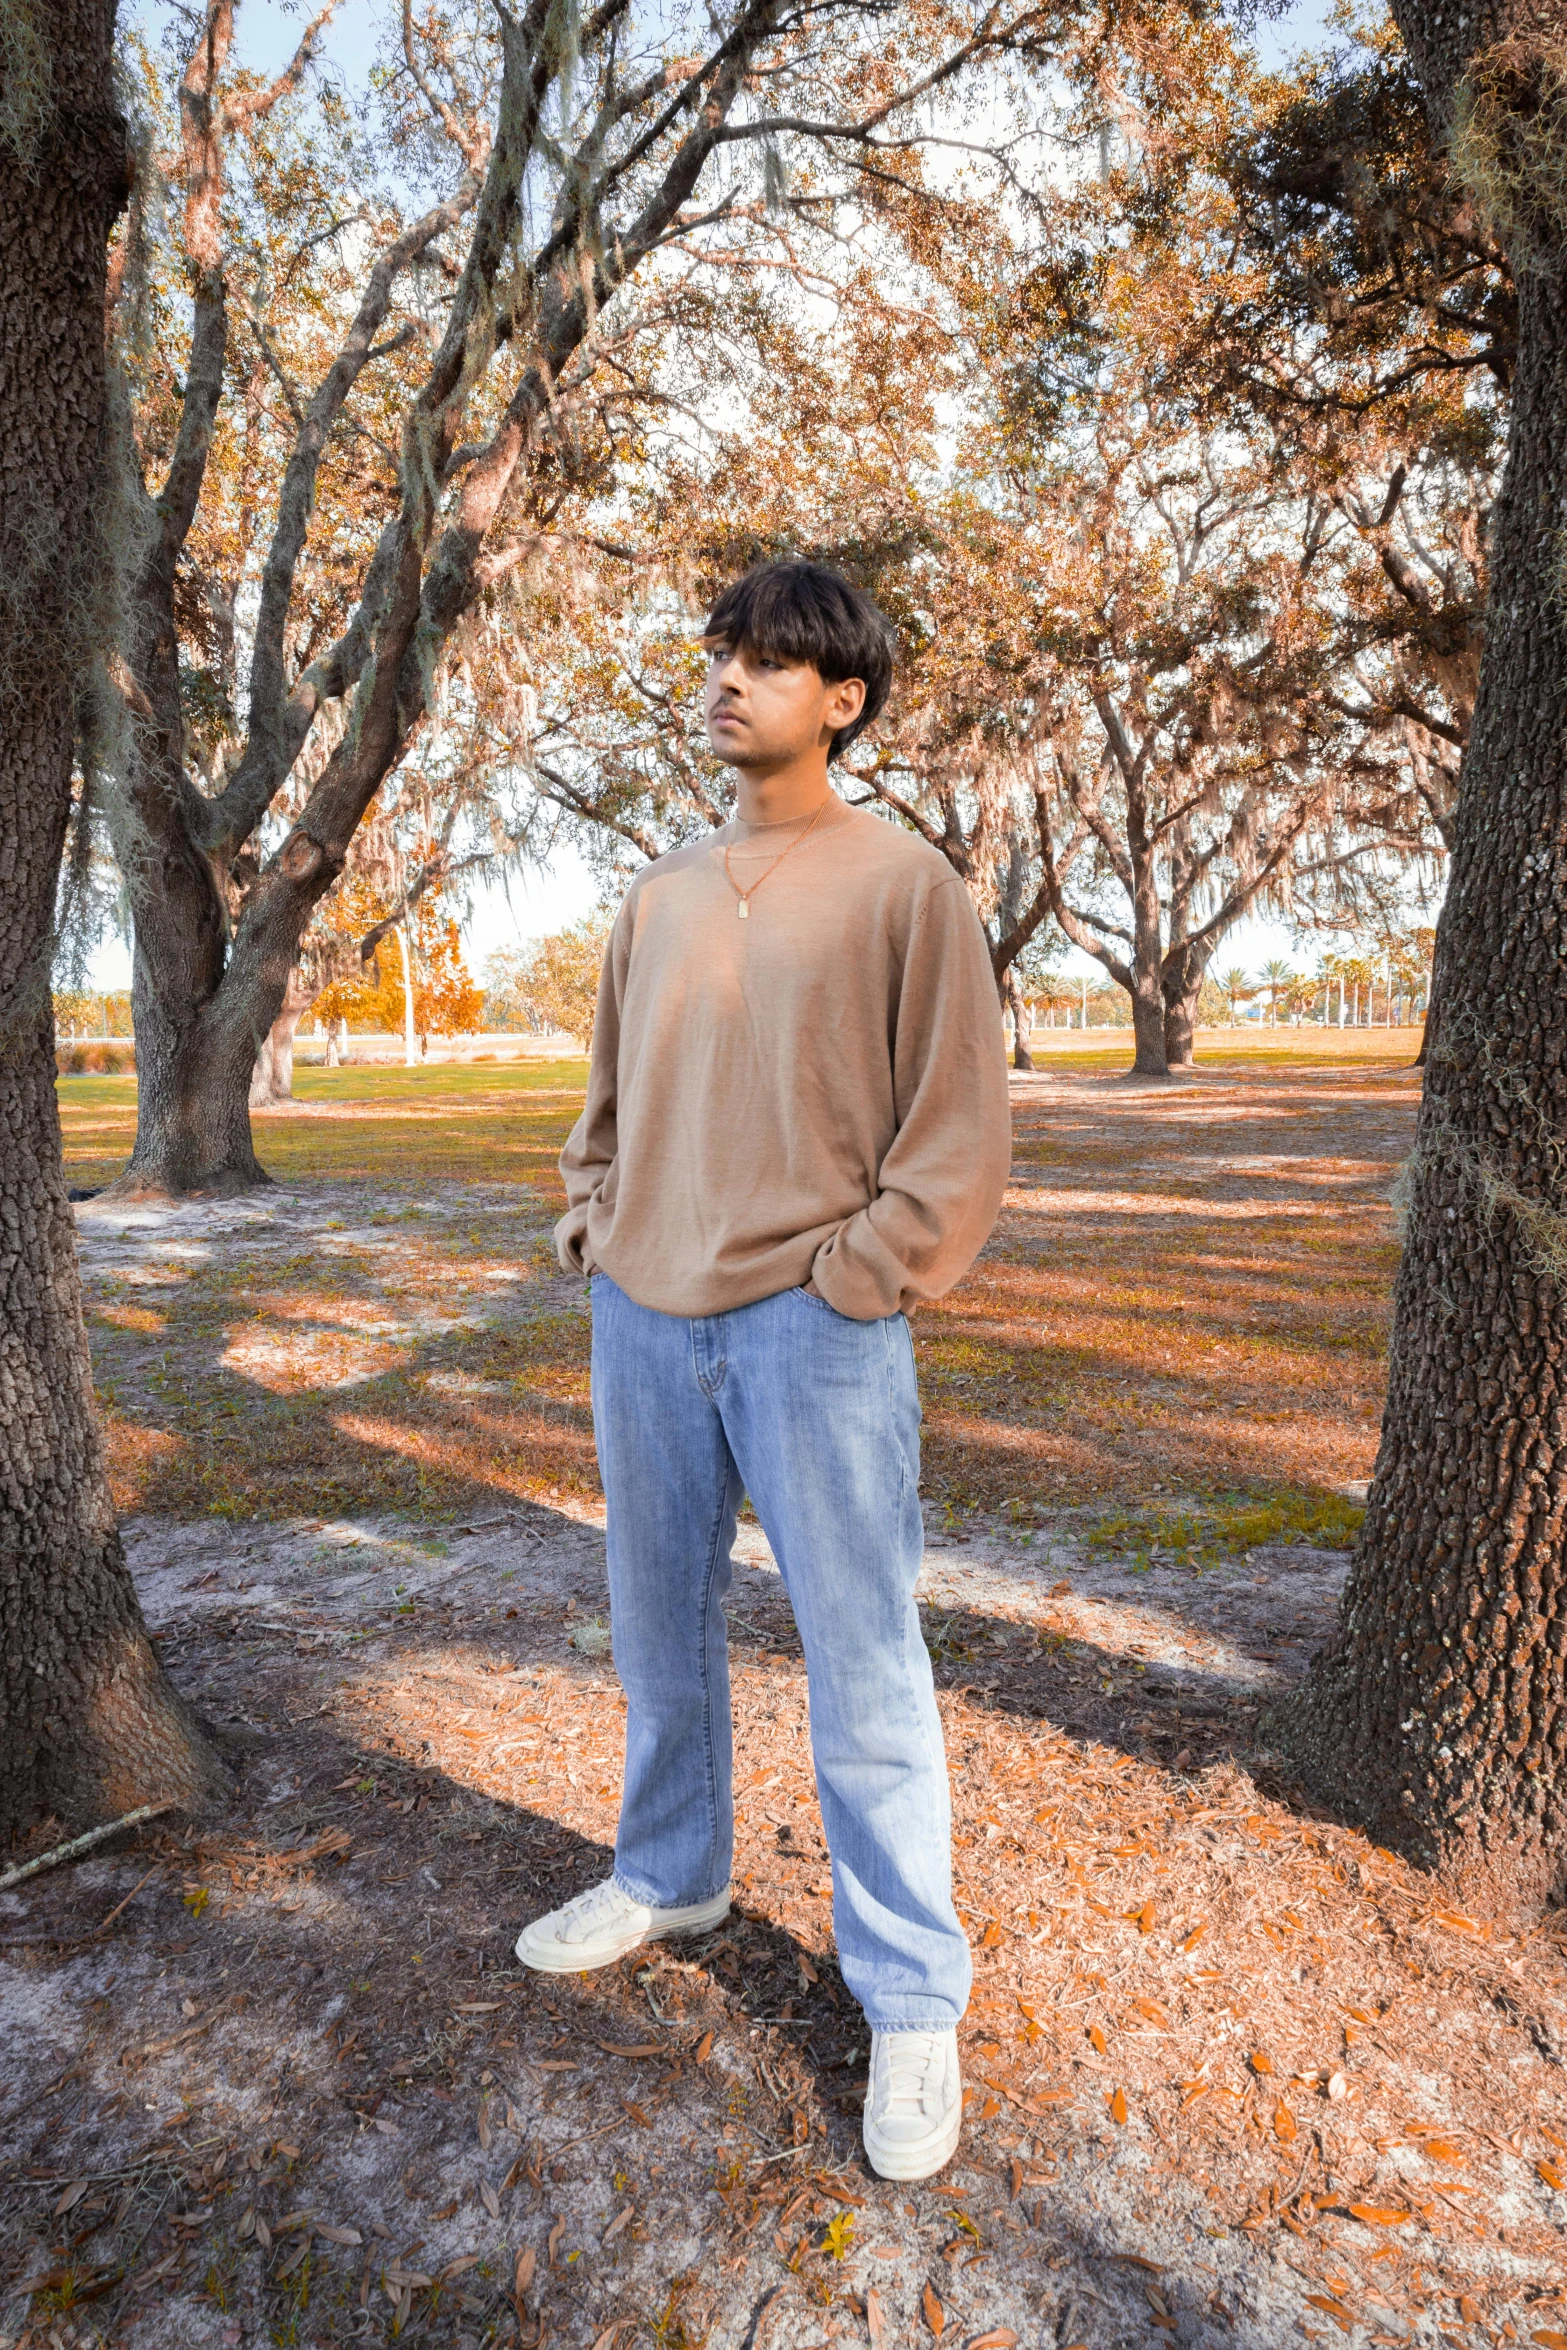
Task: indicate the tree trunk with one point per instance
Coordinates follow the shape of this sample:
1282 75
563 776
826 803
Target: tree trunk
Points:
193 1137
1180 1022
410 1057
272 1078
1022 1058
1439 1709
90 1727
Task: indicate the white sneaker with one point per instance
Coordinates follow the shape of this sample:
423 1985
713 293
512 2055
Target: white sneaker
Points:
603 1924
914 2104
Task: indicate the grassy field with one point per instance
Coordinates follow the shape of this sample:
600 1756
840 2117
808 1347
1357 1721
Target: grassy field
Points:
1186 1296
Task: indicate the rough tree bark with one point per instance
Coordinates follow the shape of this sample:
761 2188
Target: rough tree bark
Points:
90 1727
1439 1709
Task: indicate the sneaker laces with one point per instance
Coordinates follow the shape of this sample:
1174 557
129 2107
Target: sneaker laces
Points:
908 2063
596 1907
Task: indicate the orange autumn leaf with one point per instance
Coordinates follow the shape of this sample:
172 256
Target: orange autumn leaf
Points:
1118 2106
1377 2215
935 2315
1097 2039
1343 2318
1284 2124
989 2110
1142 1919
1550 2174
991 1937
1195 1936
1153 2011
1443 2150
1194 2090
998 2338
1259 2062
1549 2339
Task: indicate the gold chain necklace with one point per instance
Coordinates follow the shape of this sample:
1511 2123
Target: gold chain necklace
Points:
743 909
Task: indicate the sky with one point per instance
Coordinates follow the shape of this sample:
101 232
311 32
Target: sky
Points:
539 902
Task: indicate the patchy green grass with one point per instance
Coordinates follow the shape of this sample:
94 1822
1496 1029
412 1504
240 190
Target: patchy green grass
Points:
1188 1289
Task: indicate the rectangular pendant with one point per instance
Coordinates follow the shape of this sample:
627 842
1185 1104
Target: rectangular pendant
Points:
743 910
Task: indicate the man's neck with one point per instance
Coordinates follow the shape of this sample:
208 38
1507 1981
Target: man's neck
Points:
780 798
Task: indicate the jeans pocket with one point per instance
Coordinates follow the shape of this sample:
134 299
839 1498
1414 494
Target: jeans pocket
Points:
820 1303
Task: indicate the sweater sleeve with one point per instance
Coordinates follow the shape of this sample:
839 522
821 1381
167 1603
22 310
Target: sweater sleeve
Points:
589 1155
942 1181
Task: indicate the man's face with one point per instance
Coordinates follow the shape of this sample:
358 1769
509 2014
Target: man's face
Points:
766 712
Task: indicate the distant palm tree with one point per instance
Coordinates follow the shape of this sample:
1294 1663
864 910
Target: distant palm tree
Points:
1277 979
1237 987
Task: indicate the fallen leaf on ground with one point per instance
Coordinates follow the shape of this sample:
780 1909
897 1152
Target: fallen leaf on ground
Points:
935 2315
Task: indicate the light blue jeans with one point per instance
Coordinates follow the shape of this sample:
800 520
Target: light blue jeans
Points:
817 1419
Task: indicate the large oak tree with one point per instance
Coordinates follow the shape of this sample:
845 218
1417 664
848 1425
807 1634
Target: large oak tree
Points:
89 1725
1439 1709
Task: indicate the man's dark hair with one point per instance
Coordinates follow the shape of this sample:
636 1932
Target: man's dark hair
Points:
800 611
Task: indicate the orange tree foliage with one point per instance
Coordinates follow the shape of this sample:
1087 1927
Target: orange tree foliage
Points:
447 999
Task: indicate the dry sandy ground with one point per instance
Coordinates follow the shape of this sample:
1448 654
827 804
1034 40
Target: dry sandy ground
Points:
1235 2077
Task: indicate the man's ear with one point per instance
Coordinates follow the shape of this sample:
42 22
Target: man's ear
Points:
844 703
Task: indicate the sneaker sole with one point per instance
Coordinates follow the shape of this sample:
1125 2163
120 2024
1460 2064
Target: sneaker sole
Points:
560 1958
917 2161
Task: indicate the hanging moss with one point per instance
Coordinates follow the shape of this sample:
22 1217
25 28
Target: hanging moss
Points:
1509 147
25 80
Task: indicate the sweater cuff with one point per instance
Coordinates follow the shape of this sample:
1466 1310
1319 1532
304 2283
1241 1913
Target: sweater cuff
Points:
850 1285
570 1234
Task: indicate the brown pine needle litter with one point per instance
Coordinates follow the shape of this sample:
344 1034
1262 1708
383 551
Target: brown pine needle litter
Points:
1233 2075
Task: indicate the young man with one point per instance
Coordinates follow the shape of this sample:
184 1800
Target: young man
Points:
796 1128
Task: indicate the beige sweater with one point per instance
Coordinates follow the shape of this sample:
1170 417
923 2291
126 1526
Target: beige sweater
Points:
816 1092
